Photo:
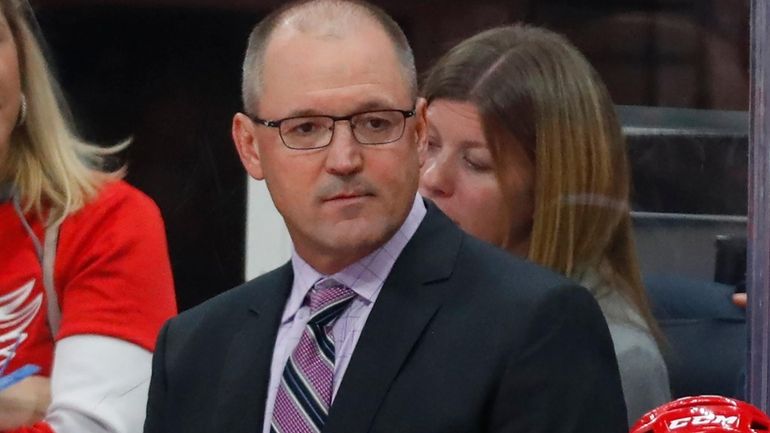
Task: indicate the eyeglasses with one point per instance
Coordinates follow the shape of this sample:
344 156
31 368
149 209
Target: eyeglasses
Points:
315 132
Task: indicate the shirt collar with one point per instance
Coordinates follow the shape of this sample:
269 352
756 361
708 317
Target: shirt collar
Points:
365 277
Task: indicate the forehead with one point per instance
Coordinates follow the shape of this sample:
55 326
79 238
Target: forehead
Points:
331 73
455 119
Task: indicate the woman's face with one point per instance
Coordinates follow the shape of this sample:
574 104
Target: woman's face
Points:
458 174
10 85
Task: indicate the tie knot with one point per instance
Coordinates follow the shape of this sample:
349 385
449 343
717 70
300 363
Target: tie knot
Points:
327 303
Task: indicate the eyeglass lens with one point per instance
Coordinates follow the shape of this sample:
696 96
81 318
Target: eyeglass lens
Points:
368 128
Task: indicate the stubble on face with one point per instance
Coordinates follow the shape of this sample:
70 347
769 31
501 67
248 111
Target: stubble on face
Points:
344 201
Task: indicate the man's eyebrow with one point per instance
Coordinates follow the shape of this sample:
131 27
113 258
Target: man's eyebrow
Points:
379 105
371 105
305 112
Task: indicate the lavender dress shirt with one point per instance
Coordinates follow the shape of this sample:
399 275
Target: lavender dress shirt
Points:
365 277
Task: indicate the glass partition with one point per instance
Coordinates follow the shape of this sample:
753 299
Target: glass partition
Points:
168 75
690 171
759 213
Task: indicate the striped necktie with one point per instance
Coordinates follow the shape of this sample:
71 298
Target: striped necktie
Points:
305 393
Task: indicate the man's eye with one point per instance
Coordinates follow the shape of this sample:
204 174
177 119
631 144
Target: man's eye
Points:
377 123
305 128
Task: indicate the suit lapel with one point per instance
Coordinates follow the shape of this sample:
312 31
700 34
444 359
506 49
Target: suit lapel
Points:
404 308
246 370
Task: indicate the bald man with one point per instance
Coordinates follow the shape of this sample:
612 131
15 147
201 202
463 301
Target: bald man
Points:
388 318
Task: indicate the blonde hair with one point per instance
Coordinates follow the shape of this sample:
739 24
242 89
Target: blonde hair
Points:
53 171
533 88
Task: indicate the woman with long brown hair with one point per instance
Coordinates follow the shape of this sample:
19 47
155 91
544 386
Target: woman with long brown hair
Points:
525 151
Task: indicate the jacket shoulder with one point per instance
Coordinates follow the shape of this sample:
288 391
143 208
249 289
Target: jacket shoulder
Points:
504 271
230 305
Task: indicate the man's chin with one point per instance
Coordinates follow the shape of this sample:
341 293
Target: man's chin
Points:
360 240
360 234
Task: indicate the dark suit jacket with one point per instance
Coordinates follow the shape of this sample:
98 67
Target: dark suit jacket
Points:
463 338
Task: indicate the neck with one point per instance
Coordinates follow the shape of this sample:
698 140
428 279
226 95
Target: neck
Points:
330 258
333 261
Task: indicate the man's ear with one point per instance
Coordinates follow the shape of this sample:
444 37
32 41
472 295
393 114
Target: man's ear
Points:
421 128
246 143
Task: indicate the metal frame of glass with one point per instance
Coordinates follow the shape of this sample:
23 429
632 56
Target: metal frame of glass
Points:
758 275
405 114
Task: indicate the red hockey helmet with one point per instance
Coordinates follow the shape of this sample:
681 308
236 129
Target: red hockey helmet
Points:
704 414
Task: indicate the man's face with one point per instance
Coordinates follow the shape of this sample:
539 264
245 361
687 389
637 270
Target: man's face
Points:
343 201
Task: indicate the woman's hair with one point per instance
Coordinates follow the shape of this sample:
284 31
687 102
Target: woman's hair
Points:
51 169
534 89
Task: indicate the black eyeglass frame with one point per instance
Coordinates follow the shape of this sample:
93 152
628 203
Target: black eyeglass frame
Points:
277 124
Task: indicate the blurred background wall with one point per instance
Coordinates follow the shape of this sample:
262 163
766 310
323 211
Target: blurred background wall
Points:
167 74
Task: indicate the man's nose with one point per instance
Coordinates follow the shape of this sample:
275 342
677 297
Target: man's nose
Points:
344 154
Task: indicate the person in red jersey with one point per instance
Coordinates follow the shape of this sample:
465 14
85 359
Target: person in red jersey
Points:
85 279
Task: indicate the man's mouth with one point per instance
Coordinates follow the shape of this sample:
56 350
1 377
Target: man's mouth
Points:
348 196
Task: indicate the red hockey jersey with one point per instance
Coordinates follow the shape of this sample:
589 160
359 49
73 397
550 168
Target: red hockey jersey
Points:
112 277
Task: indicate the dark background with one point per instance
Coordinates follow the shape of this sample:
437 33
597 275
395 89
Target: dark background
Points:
167 74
